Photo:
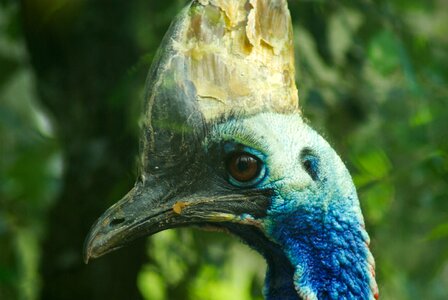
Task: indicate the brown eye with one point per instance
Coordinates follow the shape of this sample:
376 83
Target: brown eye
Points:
243 167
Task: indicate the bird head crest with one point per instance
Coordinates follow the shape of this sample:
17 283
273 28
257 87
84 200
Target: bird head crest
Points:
238 56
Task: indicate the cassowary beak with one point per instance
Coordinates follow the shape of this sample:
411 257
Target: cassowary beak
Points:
137 214
217 58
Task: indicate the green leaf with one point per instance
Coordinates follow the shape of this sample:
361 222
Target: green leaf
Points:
373 166
376 201
151 284
439 232
384 52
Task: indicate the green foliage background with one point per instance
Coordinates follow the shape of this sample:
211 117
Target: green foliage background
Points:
372 78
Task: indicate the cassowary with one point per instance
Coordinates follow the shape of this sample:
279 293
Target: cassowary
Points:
224 146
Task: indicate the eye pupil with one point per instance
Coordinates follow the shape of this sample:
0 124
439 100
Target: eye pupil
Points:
243 167
243 163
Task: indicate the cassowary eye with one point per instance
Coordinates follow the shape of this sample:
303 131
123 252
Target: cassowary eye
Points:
243 167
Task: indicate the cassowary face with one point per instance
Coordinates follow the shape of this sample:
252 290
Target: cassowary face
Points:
245 171
274 182
224 146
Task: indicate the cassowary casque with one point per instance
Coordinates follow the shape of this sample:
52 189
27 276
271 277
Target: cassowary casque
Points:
224 146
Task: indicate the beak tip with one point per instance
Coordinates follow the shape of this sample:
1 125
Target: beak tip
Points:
86 253
86 256
96 246
89 248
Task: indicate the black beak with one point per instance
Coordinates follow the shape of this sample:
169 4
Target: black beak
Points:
146 210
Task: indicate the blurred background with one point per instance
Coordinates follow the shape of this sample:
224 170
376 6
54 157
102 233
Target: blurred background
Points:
372 78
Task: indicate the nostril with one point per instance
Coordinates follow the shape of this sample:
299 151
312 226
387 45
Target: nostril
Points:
116 222
310 163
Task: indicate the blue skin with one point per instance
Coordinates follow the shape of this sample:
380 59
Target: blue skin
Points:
314 215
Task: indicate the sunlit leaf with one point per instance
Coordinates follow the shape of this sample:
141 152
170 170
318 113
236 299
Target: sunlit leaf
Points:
439 232
422 116
151 284
373 165
376 201
342 27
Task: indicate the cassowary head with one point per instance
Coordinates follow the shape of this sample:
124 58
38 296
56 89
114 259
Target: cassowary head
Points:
224 146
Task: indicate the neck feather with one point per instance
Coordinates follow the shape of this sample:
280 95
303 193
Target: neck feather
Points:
316 254
329 252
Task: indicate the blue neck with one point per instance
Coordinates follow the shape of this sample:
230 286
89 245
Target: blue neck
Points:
328 250
322 254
